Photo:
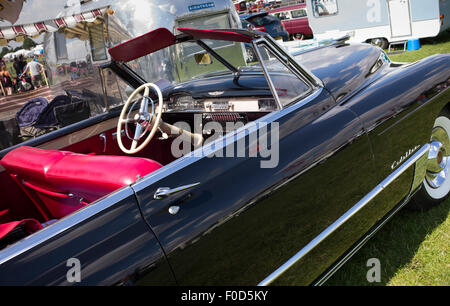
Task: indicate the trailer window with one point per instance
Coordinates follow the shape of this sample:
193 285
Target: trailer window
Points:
324 7
97 42
218 21
298 13
282 15
60 45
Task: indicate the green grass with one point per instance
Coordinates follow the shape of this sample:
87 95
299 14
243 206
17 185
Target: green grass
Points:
413 247
429 46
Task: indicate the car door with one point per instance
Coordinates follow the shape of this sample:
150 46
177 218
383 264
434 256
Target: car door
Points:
231 221
286 21
106 243
398 112
299 22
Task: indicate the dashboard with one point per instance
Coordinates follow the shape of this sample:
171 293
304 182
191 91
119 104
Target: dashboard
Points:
186 103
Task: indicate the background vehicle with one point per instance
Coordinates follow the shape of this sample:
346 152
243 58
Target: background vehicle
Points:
377 21
267 23
294 19
241 6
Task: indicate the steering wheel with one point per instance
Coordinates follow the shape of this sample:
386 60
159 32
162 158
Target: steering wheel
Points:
142 120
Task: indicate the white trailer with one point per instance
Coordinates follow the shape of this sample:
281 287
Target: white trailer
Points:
378 21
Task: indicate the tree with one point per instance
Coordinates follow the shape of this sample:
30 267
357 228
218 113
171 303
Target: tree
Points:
28 43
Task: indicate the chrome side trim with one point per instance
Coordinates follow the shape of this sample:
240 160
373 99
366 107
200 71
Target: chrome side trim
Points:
64 224
345 217
361 243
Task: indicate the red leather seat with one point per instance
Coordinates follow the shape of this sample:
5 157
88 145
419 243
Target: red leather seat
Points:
60 182
30 225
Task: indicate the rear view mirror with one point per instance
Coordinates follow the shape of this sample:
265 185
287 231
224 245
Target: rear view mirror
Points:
203 59
128 90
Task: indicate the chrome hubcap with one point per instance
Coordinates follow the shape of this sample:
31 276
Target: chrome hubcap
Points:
438 166
377 42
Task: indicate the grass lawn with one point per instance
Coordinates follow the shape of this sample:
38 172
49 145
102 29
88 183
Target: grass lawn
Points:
429 46
413 247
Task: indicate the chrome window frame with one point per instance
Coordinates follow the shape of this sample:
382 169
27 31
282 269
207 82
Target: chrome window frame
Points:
290 63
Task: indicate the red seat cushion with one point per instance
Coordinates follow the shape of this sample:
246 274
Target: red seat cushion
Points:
97 175
31 162
30 225
86 177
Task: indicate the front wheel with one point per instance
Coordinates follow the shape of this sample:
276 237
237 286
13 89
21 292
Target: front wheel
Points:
380 42
436 185
299 36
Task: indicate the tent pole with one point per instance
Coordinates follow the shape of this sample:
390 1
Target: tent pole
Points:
45 77
3 90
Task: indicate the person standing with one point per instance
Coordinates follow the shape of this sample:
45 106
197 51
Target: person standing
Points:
35 69
21 64
17 66
6 80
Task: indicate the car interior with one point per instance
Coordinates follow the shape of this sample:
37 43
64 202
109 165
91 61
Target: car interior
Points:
44 183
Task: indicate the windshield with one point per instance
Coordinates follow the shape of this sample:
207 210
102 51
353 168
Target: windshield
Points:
185 61
190 60
217 69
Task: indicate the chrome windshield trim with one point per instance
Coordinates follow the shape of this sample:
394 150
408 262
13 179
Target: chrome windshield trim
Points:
266 74
315 81
345 217
64 224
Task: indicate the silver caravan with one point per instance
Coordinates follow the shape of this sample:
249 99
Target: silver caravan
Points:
377 21
76 35
77 31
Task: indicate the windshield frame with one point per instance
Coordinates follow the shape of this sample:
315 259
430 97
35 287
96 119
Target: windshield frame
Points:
135 80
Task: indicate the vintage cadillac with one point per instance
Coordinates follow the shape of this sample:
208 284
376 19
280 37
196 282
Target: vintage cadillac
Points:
274 172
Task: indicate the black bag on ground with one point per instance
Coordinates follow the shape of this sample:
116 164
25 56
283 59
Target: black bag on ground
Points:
9 133
72 113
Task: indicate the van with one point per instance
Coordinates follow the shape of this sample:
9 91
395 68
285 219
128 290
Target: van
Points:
294 19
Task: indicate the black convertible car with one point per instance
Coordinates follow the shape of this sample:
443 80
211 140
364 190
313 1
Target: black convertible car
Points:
276 172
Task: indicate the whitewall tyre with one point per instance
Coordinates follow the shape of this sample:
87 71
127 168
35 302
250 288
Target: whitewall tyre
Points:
436 185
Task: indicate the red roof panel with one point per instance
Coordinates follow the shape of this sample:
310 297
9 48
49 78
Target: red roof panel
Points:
142 45
216 35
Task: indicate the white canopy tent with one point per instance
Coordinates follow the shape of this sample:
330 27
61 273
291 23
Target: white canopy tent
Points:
40 16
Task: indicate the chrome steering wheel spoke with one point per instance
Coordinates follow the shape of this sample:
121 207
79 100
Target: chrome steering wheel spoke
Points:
143 120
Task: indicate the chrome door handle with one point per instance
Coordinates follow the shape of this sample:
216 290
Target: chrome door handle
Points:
164 192
103 137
